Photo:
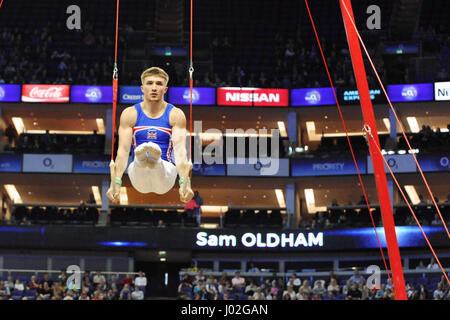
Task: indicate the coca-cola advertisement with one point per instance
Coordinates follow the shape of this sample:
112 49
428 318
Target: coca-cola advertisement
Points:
45 93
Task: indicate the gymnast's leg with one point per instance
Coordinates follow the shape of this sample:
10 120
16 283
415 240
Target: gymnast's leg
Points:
149 173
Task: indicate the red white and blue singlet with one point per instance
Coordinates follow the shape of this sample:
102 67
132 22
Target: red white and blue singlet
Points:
158 131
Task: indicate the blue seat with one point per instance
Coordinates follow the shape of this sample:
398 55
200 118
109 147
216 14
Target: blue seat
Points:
422 281
30 293
17 295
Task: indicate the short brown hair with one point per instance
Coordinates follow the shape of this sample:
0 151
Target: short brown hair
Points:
155 71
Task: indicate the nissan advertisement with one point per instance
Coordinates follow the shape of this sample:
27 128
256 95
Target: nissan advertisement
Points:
252 97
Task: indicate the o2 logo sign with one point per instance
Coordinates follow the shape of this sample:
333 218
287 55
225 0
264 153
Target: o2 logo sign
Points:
48 163
93 94
445 162
313 97
2 93
392 163
409 93
187 95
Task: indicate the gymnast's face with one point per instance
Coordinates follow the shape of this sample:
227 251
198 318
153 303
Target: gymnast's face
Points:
154 88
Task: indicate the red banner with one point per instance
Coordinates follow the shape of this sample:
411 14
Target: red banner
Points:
45 93
252 97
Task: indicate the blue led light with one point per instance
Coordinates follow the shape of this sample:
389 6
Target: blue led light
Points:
19 229
407 236
123 244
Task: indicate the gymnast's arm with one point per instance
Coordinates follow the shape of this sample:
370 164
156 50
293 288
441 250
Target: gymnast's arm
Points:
127 121
178 123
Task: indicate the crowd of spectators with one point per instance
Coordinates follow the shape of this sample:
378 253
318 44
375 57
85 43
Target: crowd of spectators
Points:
46 55
51 143
428 140
355 287
352 217
94 286
83 214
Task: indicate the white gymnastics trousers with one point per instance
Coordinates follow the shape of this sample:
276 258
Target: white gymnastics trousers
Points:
159 179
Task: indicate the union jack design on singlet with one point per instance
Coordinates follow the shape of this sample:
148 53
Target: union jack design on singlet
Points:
158 131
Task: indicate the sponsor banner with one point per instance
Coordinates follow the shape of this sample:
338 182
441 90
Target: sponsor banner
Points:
91 94
252 97
312 97
397 163
410 92
258 167
200 96
47 163
10 92
10 163
48 93
434 162
91 164
441 91
130 94
305 167
203 169
351 96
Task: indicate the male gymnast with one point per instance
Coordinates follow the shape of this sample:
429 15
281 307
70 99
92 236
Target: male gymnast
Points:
157 131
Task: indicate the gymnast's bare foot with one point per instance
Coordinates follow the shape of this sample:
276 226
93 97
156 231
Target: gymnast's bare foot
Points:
153 153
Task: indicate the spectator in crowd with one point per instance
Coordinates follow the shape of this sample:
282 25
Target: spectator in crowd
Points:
302 295
354 293
127 280
45 291
84 296
137 294
5 292
274 289
113 284
185 283
237 280
98 295
98 278
200 287
379 294
253 268
290 292
438 294
69 295
141 280
333 287
306 287
432 265
319 287
190 208
62 276
198 208
357 277
421 265
10 283
250 289
211 287
33 283
125 293
259 294
199 276
366 294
